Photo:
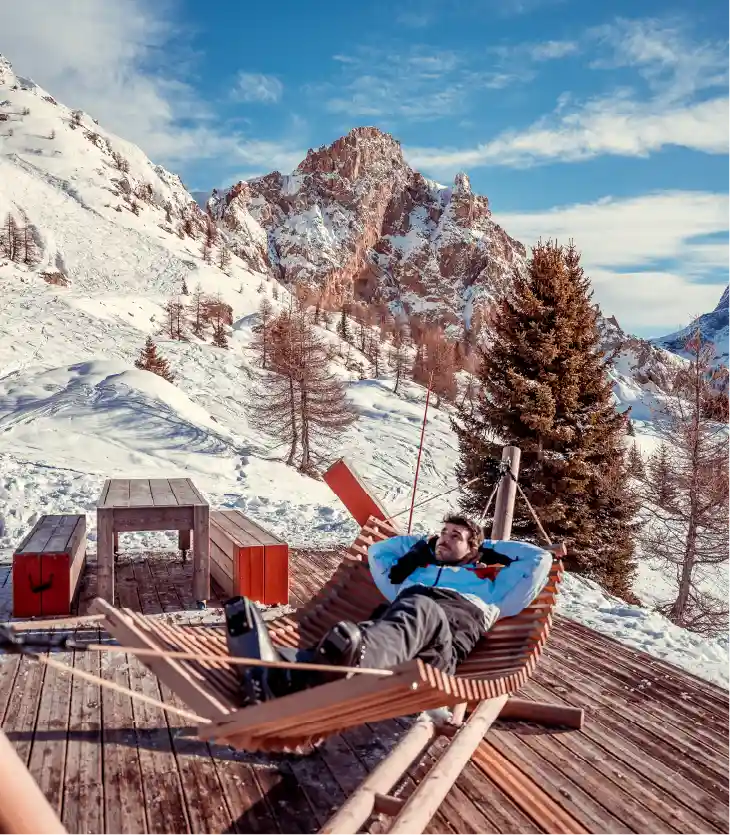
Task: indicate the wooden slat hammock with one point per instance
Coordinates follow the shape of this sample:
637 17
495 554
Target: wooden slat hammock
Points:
498 666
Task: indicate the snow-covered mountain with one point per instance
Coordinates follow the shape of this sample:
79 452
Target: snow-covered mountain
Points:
713 326
108 236
354 220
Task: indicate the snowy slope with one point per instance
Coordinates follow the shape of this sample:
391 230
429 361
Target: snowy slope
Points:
74 410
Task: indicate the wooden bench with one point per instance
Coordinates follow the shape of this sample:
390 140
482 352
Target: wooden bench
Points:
47 566
246 559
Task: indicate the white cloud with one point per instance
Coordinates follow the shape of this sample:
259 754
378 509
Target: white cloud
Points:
513 8
533 51
615 126
666 106
672 65
418 84
647 262
552 50
122 62
252 87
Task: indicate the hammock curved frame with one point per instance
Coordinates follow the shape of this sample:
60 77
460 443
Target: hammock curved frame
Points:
499 665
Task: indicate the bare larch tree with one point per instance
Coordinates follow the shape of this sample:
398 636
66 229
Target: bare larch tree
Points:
301 403
398 356
687 482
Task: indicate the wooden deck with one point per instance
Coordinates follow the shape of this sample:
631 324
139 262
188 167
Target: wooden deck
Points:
652 758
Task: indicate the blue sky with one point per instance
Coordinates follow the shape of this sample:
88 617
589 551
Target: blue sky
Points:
607 122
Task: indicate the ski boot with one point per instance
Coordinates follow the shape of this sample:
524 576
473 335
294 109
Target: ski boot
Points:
248 637
341 646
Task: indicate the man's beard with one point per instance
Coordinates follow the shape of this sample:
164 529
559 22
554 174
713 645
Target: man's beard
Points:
449 559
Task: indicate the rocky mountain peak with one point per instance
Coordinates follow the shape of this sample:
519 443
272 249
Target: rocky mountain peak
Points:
365 151
354 220
724 303
462 185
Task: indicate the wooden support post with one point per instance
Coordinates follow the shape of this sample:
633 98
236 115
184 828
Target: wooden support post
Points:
386 804
544 713
183 540
23 806
458 715
201 554
422 805
505 503
105 554
361 803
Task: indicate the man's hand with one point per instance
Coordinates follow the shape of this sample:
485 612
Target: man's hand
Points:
420 555
488 556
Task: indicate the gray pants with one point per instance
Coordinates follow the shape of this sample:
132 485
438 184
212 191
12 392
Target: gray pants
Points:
439 626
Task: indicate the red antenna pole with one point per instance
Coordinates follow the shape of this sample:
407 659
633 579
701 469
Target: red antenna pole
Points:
420 449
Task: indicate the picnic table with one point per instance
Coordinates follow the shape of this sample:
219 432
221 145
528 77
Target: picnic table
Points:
153 504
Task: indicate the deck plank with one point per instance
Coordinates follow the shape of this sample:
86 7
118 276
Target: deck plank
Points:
83 802
50 735
22 709
124 806
691 755
164 795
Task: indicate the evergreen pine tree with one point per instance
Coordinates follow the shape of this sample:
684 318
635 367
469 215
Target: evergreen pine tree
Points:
220 338
11 239
418 370
659 481
197 309
343 326
544 388
636 462
150 360
30 247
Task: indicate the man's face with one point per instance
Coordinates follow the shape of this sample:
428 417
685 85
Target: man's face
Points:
453 543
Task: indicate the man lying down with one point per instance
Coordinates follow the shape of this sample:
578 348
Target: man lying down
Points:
444 591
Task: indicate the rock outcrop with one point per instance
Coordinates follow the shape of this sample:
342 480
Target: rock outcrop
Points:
653 368
355 221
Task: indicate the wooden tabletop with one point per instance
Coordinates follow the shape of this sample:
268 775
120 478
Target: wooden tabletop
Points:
149 492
